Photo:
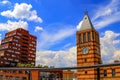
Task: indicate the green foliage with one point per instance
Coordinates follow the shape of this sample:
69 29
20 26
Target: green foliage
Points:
44 66
51 66
1 56
25 65
40 66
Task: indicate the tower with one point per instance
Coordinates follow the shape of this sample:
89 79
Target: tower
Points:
88 49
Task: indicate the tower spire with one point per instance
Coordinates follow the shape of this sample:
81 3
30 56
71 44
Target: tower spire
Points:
86 12
86 22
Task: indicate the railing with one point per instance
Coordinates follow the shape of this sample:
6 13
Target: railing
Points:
113 73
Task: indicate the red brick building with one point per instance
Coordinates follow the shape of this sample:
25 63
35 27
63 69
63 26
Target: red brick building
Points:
36 75
18 46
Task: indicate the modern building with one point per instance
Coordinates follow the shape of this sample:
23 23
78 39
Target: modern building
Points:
88 54
36 75
18 46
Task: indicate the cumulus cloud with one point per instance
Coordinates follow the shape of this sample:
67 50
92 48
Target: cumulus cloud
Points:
110 46
51 37
117 55
64 58
13 25
5 2
38 28
107 14
57 58
22 11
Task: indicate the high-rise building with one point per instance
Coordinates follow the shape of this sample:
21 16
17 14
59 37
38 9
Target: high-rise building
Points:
18 46
88 49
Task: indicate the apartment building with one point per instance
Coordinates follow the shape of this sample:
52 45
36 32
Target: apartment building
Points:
18 46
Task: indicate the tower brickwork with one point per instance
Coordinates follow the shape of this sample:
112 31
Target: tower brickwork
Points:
88 49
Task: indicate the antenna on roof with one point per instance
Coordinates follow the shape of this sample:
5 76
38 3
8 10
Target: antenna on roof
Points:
86 12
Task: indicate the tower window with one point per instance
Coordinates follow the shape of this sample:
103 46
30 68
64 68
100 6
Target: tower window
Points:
105 73
80 39
113 72
89 38
96 36
85 60
85 72
93 35
84 37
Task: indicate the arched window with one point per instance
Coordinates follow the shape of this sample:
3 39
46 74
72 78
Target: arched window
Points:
89 37
113 72
93 36
96 36
105 73
84 37
80 38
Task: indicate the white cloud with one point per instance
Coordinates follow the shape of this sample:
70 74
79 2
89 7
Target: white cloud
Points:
66 46
38 28
79 25
107 14
13 25
109 46
65 58
117 54
22 11
49 38
5 2
57 58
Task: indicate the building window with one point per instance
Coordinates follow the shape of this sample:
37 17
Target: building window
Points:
19 34
89 38
17 78
7 54
113 72
84 37
105 73
85 72
14 71
80 39
96 36
85 60
33 42
93 36
24 78
20 72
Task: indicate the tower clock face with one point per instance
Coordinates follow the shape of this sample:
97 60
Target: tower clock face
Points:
85 50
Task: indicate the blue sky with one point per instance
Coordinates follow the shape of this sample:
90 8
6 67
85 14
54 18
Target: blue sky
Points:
55 23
